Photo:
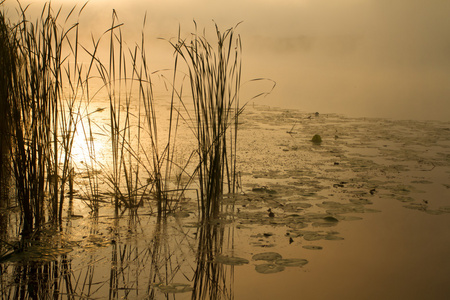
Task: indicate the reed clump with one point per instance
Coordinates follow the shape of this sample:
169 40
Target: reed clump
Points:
142 160
39 124
214 72
45 98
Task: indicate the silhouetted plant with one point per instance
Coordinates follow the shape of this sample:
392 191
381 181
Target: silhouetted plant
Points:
40 123
214 72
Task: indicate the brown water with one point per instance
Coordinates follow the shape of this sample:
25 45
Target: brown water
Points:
367 209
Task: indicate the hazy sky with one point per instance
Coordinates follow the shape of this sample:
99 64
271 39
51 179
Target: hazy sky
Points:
383 58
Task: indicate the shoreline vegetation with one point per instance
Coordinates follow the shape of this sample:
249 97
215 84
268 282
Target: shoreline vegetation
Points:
46 96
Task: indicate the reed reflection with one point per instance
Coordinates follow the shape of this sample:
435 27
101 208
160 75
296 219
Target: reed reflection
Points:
212 279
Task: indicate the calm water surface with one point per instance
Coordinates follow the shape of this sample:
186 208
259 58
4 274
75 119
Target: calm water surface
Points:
367 209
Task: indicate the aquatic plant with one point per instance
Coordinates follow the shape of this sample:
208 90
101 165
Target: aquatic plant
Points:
39 122
214 74
161 158
6 57
135 139
316 139
46 96
124 128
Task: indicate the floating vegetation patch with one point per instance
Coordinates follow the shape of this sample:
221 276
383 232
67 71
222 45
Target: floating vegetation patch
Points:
173 288
327 221
334 207
417 206
405 199
351 218
424 207
267 256
361 201
95 241
323 224
330 219
291 262
315 235
296 206
316 139
276 262
312 247
445 209
423 181
263 189
230 260
400 189
269 268
262 243
434 211
36 253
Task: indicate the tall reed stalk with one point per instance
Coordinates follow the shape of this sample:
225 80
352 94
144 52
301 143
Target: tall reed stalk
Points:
40 122
7 55
135 140
215 74
161 159
124 174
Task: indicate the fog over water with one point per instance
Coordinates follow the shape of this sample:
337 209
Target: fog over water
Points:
374 58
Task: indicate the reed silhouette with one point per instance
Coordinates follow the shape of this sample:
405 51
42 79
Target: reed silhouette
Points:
214 72
47 96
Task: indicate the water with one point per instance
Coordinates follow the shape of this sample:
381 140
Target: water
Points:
370 200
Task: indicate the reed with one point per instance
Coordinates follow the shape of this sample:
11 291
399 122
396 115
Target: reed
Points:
161 159
39 122
214 72
136 141
91 189
45 94
123 174
6 57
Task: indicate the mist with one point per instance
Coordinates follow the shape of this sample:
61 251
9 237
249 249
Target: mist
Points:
367 58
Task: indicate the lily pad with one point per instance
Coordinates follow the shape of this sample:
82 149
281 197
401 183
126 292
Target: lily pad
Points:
174 288
418 206
445 209
352 218
267 256
324 224
313 236
230 260
331 219
269 268
316 139
434 212
361 201
291 262
312 247
332 237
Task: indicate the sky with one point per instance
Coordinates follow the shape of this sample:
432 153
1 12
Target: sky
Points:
361 58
